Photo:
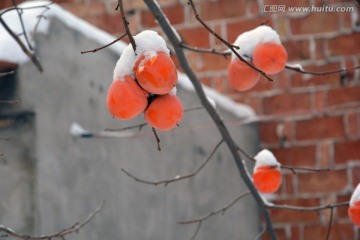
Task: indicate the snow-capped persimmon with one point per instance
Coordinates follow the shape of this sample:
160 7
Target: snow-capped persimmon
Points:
354 207
164 112
241 76
270 57
267 179
125 99
156 74
267 176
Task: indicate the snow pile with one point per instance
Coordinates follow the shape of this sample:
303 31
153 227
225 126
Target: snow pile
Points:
355 196
247 41
125 64
265 158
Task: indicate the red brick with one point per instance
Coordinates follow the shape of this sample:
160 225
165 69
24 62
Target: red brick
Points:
288 186
220 84
234 29
296 156
207 81
343 96
325 154
297 50
287 103
263 85
268 132
196 37
316 182
253 101
352 125
344 45
338 232
320 128
342 212
174 13
222 9
291 216
315 23
355 172
320 100
346 20
317 80
287 3
346 151
319 49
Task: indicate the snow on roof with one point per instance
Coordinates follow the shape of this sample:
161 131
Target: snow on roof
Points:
11 52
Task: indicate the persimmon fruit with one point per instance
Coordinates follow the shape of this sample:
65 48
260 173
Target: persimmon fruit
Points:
126 99
241 76
270 57
267 179
164 112
156 74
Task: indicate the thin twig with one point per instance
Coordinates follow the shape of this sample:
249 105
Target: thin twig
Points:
32 56
107 45
260 234
196 231
205 50
20 12
301 70
141 125
230 46
157 139
176 178
290 168
221 210
330 223
308 209
6 73
40 17
126 25
75 228
175 41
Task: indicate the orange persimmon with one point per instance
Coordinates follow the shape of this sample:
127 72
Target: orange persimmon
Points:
125 98
267 179
164 112
354 213
241 76
270 57
156 74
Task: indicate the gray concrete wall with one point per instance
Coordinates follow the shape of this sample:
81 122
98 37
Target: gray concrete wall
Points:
74 175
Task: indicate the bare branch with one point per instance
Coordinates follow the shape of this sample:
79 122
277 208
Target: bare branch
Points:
107 45
32 56
157 139
303 209
196 231
126 25
141 125
205 50
75 228
20 12
330 223
221 210
258 237
173 38
176 178
301 70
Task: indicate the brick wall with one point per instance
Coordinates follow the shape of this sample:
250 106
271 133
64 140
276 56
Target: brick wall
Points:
315 119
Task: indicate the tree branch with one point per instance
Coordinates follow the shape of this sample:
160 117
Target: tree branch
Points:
173 37
126 25
176 178
75 228
107 45
308 209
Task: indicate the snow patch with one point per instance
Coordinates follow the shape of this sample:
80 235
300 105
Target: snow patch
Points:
173 92
265 158
247 41
355 196
124 66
